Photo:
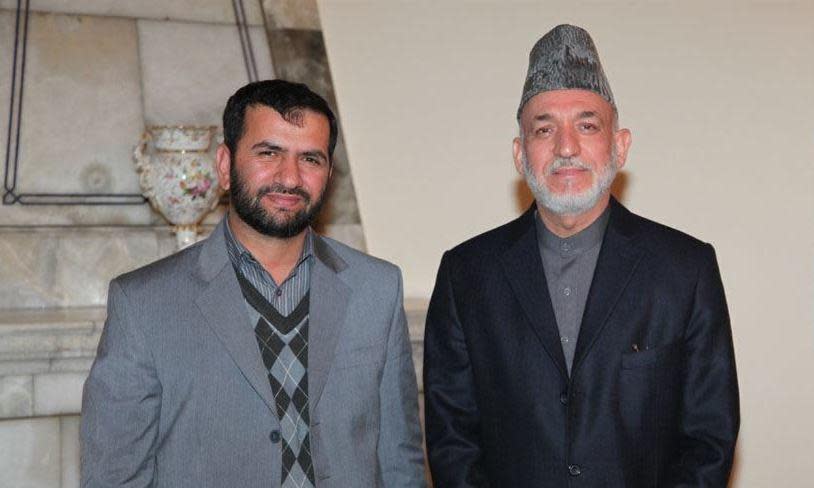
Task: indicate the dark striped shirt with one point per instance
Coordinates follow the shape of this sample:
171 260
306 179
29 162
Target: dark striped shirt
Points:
284 297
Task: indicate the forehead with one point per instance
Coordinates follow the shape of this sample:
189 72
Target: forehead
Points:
261 121
566 104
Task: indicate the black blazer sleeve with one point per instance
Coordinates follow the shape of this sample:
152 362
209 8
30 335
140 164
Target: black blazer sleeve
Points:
710 411
451 412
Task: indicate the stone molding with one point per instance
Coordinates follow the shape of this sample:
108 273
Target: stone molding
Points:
45 356
41 341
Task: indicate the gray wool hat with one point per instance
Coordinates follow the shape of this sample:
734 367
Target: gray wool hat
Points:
565 58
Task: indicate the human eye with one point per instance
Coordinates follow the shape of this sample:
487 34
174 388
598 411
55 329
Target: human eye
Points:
543 131
588 127
312 159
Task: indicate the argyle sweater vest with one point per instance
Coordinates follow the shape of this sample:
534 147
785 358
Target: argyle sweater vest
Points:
283 343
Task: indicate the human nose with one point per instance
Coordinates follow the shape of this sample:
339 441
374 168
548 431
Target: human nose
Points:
567 144
288 172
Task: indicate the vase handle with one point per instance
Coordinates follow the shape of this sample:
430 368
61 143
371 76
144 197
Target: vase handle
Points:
143 164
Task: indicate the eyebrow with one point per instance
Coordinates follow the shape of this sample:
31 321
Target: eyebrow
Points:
314 153
267 145
588 114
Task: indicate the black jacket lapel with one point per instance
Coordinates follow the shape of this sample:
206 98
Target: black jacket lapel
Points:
615 265
524 270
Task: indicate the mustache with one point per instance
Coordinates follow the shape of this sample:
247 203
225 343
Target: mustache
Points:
561 163
283 190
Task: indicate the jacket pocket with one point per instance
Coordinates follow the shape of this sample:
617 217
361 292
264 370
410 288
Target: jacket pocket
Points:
653 357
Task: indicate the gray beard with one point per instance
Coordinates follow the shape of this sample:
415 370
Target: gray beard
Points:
571 203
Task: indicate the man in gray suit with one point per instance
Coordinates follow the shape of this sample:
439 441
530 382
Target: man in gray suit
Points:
265 355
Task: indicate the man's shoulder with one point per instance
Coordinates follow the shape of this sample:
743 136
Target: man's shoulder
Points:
494 240
372 278
358 260
661 239
165 273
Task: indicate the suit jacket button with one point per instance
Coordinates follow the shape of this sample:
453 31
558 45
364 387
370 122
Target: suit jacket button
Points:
564 398
574 470
274 436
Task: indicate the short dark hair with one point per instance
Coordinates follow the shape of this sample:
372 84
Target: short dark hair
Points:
285 97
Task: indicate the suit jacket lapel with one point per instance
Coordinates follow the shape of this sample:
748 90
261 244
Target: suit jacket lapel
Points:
524 270
615 265
222 305
329 303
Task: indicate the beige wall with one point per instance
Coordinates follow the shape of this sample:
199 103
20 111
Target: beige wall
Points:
719 99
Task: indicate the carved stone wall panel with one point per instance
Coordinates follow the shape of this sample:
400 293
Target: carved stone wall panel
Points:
31 453
210 11
81 114
69 434
81 105
16 396
190 70
59 267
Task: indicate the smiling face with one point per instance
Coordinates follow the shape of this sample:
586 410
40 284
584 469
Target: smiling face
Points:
277 178
570 150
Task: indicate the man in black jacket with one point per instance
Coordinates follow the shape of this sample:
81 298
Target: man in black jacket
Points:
579 345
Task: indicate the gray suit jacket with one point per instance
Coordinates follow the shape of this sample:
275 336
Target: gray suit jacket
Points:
178 395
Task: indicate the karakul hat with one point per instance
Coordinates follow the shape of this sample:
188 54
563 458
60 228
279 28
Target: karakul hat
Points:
565 58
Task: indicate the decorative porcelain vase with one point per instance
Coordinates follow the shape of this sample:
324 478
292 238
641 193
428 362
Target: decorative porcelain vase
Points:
176 167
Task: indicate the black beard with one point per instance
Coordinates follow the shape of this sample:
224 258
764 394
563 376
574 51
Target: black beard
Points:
250 210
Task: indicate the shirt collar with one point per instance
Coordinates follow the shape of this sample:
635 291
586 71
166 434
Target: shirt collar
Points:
586 239
238 252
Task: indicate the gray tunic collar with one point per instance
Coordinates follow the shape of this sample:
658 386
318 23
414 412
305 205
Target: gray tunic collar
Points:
578 243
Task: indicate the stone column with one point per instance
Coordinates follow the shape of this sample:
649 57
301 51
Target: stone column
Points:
298 54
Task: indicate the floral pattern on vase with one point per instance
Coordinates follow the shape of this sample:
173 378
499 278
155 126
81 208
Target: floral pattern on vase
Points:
176 167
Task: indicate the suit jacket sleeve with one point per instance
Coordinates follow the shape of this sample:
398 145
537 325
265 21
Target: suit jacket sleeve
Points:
710 411
401 457
451 413
120 405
